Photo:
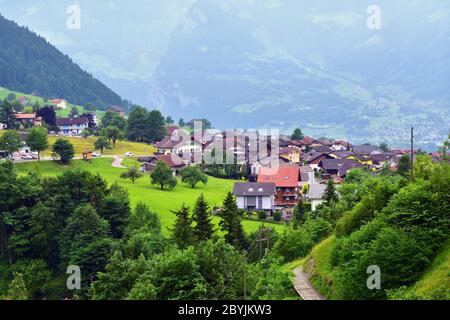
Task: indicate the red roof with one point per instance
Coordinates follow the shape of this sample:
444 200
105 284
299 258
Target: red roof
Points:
167 159
283 176
57 101
307 140
25 115
171 129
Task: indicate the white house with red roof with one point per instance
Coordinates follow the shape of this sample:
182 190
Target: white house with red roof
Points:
59 103
286 179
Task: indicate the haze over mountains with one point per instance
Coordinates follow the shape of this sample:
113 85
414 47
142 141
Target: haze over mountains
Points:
272 63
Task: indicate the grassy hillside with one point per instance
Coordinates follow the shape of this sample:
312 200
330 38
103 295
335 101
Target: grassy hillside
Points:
434 283
87 144
159 201
317 264
4 92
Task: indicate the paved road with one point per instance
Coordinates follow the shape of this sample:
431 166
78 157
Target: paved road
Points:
303 287
117 163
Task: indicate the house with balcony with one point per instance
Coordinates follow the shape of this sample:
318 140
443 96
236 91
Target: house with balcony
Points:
286 179
255 196
72 126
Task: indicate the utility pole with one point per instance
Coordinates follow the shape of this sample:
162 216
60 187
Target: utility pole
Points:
412 153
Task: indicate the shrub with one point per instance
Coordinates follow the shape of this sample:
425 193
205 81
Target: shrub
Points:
277 216
262 215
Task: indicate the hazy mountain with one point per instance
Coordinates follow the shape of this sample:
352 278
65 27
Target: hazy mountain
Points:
278 63
353 82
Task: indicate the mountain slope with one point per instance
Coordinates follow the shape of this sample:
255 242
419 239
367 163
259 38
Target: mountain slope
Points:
29 63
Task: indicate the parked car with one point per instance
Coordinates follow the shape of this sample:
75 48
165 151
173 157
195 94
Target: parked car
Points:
96 154
26 156
129 154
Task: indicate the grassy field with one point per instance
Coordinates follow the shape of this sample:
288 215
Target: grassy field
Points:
159 201
81 145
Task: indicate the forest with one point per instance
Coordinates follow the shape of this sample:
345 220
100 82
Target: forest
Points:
28 63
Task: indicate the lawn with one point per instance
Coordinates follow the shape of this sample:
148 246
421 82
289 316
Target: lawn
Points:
159 201
87 144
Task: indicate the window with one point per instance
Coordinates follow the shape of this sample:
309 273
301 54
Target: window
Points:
250 190
260 189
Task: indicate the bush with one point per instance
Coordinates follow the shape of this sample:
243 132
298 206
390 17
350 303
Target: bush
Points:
262 215
277 216
400 257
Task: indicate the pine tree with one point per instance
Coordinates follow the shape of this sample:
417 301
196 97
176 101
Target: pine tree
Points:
231 223
297 216
330 194
404 165
182 232
203 229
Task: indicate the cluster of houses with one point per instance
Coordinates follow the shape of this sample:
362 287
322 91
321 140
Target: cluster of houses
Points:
73 126
302 162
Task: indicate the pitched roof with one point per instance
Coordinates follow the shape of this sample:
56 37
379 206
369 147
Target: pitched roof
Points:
167 143
365 149
283 176
310 156
171 160
71 121
321 148
339 165
307 140
254 189
342 153
25 115
56 101
287 150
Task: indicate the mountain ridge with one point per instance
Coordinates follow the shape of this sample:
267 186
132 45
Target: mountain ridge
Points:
29 63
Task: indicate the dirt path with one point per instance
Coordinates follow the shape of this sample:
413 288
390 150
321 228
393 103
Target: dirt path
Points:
117 163
303 287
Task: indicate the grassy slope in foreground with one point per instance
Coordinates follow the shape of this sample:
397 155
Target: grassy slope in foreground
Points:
317 264
159 201
436 277
87 144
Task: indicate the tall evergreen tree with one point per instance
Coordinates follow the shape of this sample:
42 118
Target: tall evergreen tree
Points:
297 216
330 194
115 208
231 223
203 229
182 232
404 165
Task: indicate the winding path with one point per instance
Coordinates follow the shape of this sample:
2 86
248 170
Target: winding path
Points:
303 287
117 163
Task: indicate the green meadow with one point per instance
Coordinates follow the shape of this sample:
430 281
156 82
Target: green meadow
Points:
160 201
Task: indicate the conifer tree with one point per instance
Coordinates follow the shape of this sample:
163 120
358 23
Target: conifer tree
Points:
297 216
203 229
231 223
182 232
330 194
